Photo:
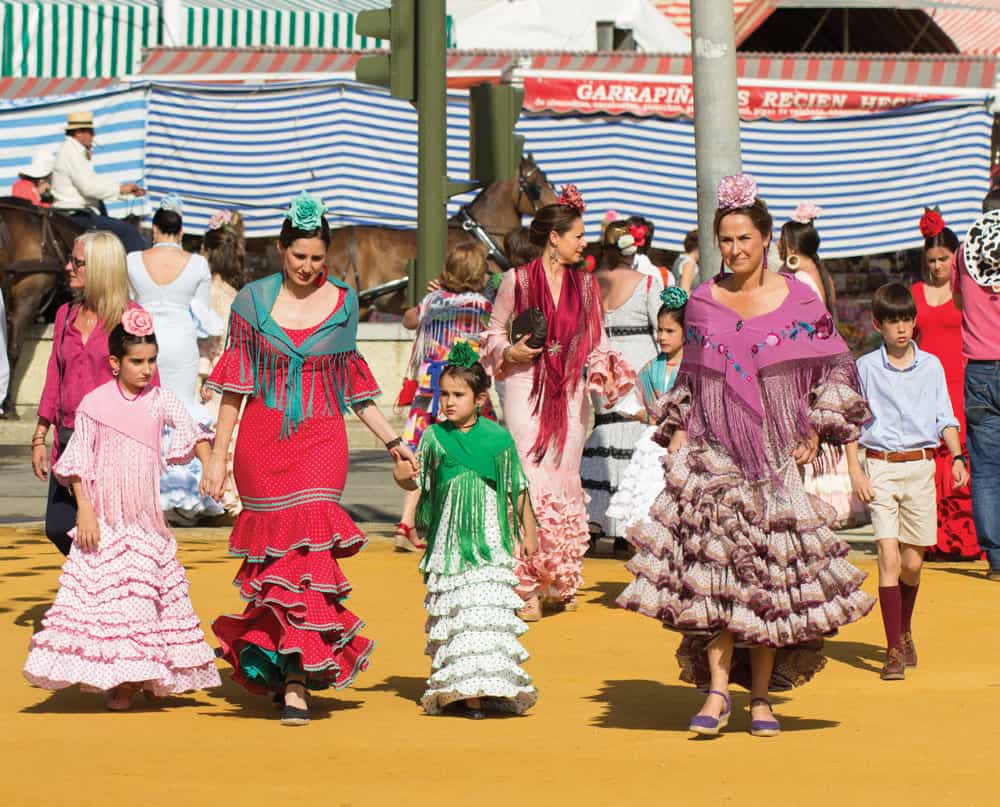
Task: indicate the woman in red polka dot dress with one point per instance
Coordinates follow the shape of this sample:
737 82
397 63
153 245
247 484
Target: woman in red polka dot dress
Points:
292 354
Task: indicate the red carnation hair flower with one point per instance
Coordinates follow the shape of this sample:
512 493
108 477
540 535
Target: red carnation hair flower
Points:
638 232
570 197
589 263
931 223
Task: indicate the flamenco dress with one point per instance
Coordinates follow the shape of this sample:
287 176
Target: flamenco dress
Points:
292 532
123 613
470 484
733 542
939 331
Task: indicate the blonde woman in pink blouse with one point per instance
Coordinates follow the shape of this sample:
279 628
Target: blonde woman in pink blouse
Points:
78 362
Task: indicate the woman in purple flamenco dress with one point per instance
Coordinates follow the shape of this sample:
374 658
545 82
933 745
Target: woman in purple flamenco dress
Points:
735 555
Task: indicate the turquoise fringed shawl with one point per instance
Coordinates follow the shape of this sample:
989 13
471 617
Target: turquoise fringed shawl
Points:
654 379
459 464
272 357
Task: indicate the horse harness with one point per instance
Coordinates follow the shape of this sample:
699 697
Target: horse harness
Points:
50 246
469 224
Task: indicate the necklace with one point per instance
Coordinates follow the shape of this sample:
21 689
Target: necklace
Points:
171 244
121 392
467 429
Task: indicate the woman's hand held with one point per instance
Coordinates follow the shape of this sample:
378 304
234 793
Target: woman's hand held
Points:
40 462
520 353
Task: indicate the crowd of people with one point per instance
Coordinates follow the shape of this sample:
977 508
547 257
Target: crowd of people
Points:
730 424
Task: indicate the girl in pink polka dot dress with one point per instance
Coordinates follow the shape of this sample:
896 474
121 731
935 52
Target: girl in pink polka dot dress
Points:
122 621
292 355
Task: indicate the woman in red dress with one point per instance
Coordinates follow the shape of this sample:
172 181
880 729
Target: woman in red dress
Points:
939 331
292 354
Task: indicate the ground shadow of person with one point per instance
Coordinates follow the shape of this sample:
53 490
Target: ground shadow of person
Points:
407 687
655 706
606 593
33 615
860 655
72 700
247 704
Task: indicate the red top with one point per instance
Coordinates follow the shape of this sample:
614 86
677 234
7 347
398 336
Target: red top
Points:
939 331
75 368
26 189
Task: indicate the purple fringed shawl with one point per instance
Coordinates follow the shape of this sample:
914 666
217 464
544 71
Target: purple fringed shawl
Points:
728 361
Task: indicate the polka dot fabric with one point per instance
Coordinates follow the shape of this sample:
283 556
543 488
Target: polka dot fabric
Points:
291 534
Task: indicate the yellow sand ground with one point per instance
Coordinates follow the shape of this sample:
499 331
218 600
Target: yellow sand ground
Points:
609 728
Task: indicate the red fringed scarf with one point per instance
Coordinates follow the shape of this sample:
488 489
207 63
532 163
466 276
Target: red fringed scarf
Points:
574 331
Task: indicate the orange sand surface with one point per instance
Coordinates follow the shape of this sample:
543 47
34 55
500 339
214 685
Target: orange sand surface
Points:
609 728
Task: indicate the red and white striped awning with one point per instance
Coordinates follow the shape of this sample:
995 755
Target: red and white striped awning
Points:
973 25
298 64
37 87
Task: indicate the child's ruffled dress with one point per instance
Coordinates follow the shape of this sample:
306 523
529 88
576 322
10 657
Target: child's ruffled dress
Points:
468 505
123 613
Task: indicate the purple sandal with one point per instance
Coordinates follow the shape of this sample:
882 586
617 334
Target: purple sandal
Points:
708 725
764 728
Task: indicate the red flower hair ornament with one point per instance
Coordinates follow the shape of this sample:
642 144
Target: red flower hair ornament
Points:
570 197
639 233
931 223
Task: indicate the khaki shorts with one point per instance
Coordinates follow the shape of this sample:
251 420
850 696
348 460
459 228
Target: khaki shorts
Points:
905 503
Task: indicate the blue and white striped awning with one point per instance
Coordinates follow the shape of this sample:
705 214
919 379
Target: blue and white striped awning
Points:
120 120
356 147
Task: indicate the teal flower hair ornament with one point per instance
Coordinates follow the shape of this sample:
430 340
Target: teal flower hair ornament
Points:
306 212
172 202
463 355
673 297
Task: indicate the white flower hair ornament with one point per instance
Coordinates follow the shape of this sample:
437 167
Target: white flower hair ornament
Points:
806 213
626 244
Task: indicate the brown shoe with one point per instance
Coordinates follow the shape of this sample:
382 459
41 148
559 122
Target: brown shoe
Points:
993 574
894 668
909 650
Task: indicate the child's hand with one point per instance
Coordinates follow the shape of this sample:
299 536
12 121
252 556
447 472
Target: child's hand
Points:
959 473
405 473
861 485
677 441
88 531
805 451
529 541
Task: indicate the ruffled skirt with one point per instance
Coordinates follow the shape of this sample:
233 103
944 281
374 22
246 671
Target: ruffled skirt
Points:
122 615
179 483
721 554
606 458
640 484
473 629
291 534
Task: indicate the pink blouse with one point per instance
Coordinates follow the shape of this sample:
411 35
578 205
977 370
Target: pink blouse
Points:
75 367
980 314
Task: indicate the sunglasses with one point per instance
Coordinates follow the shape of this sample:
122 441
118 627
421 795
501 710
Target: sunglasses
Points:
76 264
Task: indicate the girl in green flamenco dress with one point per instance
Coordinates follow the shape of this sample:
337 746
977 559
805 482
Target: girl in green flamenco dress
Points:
478 519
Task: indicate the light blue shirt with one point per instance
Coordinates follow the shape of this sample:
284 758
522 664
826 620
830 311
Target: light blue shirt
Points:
910 406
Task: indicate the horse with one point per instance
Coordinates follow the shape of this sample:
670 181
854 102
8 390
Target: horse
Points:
35 244
369 257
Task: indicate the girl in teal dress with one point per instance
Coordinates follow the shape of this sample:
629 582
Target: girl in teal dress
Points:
474 507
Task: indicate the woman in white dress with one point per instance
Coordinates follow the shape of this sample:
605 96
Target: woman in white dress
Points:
175 287
631 305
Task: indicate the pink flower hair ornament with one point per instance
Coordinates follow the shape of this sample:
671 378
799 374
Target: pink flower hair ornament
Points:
137 322
220 219
570 197
806 213
737 190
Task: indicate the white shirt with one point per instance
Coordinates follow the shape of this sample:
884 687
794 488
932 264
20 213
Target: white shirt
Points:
75 183
642 263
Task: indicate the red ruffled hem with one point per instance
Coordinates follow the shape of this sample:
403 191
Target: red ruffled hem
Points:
317 526
956 529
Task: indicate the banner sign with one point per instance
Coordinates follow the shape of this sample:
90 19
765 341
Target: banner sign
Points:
675 98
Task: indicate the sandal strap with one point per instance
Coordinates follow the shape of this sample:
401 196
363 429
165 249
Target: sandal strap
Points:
765 701
720 694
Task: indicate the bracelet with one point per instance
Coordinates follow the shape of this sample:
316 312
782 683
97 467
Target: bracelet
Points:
393 443
37 441
960 458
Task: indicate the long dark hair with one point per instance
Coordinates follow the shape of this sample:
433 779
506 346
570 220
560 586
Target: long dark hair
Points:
802 238
119 341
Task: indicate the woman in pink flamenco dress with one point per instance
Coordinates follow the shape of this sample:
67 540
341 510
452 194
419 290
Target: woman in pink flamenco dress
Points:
546 405
122 620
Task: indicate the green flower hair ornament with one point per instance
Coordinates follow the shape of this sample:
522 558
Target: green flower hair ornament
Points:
306 212
463 355
674 297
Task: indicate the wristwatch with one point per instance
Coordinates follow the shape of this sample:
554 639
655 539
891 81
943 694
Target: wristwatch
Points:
960 458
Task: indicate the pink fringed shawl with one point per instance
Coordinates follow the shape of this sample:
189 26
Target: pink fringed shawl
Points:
575 328
728 361
133 417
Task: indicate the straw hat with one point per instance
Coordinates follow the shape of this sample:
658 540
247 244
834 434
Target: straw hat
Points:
79 120
41 165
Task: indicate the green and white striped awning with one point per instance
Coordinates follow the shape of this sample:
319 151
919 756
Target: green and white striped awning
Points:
74 38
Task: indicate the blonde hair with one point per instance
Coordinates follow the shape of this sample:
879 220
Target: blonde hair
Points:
105 282
466 268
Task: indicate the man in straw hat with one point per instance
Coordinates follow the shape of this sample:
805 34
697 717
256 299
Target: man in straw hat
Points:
78 190
34 183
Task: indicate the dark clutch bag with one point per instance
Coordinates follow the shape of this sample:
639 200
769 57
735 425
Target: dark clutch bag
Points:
530 322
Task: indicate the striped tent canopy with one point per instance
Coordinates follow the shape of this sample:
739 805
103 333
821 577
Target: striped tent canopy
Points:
80 39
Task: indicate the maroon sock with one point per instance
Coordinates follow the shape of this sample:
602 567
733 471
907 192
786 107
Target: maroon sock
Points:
908 596
890 602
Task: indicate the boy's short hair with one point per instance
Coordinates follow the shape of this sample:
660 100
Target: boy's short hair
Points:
893 302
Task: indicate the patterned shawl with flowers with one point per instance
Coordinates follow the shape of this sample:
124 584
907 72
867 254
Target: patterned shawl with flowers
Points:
728 360
271 365
574 330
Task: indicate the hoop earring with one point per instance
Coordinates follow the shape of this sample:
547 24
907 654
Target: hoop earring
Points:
792 262
114 373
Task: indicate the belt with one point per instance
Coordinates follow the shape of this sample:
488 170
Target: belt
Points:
900 456
611 417
628 330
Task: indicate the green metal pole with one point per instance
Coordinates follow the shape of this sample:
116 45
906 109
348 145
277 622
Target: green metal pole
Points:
432 167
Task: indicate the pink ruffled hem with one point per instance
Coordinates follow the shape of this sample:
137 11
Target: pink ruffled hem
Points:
604 364
555 570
